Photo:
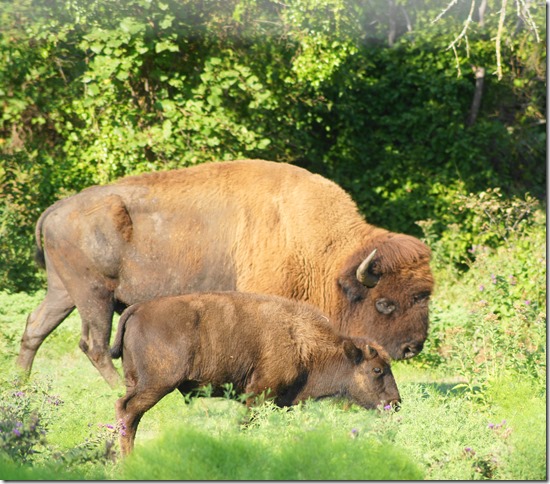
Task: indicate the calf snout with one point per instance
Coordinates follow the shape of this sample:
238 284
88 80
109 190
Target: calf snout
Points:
396 404
391 404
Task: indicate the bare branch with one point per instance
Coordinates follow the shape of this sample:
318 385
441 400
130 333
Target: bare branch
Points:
481 12
451 4
479 73
525 14
459 72
466 25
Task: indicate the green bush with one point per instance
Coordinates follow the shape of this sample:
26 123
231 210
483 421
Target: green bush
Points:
489 323
96 91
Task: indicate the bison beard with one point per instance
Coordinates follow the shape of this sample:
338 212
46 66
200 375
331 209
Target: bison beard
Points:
258 343
250 225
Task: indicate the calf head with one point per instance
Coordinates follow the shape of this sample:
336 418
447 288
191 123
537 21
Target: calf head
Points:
372 382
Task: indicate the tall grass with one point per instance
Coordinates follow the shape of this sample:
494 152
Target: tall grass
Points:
474 401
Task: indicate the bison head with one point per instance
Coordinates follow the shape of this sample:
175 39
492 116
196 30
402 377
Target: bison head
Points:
386 288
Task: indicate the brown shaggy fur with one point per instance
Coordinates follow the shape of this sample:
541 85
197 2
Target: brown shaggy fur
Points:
249 225
257 343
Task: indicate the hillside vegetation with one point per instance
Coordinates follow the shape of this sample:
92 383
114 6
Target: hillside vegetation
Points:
367 93
430 114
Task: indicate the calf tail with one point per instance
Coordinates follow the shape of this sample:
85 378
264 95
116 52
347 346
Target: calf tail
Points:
116 349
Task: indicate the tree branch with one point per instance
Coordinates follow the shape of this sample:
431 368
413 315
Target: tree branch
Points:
476 102
499 38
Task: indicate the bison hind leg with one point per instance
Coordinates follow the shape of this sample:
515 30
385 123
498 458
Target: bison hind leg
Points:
55 307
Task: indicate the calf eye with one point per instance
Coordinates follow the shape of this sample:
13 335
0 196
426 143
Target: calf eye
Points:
377 370
385 306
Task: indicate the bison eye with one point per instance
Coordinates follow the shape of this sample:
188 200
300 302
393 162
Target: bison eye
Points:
377 370
420 297
385 306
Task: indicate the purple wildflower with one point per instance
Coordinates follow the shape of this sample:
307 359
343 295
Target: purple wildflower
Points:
17 432
491 426
354 433
121 427
493 278
387 407
55 400
527 302
19 394
481 287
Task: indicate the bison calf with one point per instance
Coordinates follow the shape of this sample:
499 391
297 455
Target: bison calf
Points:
258 343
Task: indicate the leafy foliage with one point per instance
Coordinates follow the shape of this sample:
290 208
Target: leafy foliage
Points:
495 325
364 95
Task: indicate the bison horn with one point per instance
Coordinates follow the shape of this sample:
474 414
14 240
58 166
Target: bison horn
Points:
370 352
364 272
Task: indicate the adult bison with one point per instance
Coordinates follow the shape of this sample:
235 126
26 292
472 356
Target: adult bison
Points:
249 225
256 342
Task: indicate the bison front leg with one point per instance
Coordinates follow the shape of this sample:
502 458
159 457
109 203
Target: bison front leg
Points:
96 333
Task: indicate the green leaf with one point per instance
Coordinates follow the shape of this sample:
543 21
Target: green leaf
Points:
166 45
166 22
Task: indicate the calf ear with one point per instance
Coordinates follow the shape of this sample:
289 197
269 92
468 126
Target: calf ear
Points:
370 352
354 354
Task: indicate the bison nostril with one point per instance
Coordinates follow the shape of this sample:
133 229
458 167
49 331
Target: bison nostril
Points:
411 350
408 352
396 404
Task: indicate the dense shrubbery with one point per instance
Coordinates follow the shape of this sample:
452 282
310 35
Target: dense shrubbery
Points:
492 320
94 91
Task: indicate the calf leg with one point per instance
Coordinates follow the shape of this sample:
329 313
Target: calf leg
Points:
55 307
129 410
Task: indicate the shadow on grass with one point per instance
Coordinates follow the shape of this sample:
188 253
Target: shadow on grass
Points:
453 389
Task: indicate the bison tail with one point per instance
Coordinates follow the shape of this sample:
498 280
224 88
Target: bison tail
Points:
39 253
116 349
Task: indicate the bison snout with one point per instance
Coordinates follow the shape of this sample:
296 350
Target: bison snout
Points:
409 350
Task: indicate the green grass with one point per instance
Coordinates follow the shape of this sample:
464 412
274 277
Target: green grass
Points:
474 403
188 452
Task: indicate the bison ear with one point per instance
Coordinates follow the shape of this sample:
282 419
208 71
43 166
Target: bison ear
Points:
354 354
354 292
370 352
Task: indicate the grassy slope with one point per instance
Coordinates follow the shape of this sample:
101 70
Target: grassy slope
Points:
440 433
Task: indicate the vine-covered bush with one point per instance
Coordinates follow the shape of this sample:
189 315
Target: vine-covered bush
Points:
367 96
